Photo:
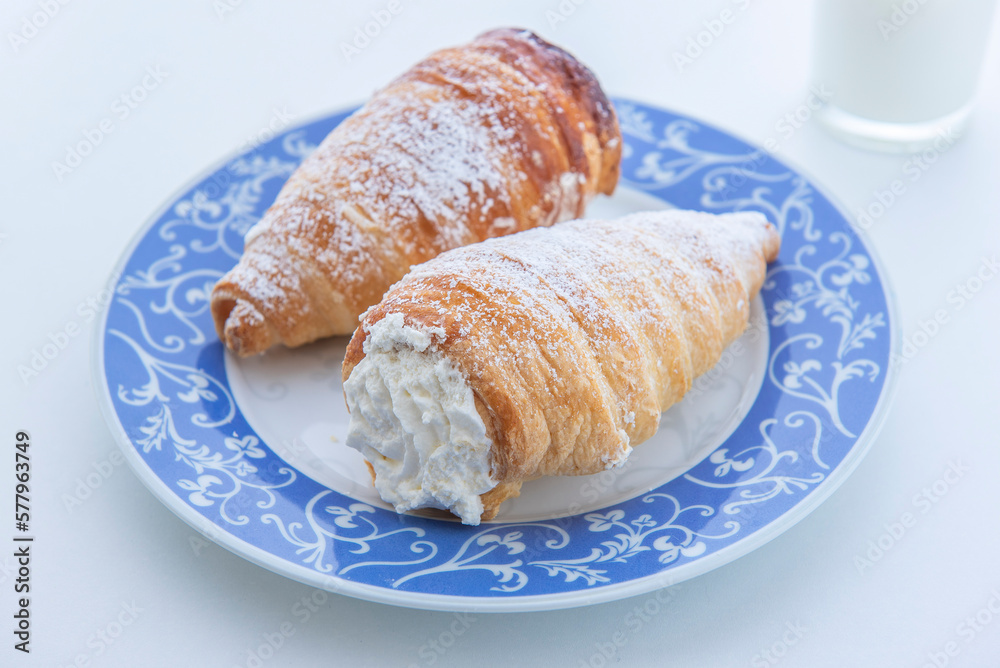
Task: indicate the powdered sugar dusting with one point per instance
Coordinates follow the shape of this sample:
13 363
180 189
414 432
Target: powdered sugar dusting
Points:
435 162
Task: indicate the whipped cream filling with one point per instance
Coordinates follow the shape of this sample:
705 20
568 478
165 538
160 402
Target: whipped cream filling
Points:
414 418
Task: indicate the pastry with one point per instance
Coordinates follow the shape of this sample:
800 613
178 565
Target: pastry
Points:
548 352
503 134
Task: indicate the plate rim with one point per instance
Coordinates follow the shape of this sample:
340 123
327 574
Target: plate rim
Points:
513 603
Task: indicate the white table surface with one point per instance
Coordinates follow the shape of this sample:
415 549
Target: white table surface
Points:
801 595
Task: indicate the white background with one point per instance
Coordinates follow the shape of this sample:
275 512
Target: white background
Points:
226 76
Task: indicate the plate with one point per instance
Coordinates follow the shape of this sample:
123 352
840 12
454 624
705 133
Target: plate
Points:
251 453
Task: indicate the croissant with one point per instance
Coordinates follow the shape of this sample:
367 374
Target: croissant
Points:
549 352
504 134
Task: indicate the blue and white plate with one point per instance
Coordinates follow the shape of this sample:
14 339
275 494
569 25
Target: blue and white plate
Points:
251 453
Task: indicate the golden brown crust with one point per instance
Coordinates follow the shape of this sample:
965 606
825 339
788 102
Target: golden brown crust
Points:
574 339
503 134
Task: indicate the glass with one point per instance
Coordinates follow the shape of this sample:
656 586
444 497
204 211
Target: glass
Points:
901 73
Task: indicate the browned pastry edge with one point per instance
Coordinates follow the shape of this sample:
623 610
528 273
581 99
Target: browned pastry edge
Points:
582 86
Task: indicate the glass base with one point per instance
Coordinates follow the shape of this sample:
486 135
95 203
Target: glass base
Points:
891 137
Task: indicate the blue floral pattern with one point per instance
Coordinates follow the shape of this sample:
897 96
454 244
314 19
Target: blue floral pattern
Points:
830 343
